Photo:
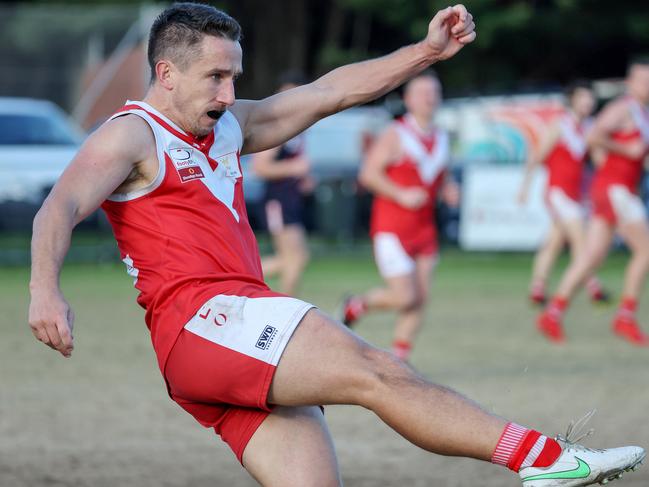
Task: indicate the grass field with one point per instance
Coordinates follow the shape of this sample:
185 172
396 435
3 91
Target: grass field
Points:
103 418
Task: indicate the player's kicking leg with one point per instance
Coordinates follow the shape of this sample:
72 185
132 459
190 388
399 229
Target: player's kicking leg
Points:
324 363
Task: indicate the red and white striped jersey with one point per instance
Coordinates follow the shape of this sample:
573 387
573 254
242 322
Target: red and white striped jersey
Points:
423 164
185 237
618 169
566 161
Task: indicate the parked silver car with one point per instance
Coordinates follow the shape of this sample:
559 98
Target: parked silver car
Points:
37 141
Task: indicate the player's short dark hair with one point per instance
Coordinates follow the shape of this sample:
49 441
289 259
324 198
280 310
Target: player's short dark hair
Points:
572 87
177 32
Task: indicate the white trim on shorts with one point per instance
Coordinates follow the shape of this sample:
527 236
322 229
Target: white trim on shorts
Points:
391 258
563 206
257 327
628 207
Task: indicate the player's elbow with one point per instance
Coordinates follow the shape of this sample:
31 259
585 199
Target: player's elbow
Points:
63 211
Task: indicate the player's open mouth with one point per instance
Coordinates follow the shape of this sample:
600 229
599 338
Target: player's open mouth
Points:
215 114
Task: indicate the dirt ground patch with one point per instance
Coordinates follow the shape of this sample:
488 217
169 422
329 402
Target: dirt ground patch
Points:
103 418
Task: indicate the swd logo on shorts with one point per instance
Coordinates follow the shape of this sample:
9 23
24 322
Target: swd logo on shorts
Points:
266 338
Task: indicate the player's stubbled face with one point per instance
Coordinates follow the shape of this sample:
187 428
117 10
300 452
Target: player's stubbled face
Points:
205 88
638 82
583 102
422 96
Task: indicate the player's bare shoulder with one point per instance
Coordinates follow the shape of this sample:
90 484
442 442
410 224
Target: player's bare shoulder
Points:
134 143
616 115
390 141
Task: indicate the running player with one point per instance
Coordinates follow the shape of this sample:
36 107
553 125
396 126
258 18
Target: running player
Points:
405 169
620 141
564 151
286 170
249 362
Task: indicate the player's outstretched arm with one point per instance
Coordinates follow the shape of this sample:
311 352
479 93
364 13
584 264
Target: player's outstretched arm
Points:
104 161
271 121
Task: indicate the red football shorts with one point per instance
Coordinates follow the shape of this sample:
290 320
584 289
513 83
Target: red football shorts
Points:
223 362
616 204
395 256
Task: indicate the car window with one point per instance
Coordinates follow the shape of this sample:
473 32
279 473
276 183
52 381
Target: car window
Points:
19 129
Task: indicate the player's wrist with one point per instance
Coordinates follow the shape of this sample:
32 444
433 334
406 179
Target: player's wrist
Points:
427 53
43 287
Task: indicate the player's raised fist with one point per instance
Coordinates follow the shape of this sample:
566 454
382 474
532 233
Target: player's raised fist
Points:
449 31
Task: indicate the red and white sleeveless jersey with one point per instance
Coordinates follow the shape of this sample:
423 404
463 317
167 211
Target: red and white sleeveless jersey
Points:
185 237
618 169
423 164
566 161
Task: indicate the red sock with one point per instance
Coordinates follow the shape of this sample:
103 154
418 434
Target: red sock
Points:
557 306
520 447
402 349
355 308
627 308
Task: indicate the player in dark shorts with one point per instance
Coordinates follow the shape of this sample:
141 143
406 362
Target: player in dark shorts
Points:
286 171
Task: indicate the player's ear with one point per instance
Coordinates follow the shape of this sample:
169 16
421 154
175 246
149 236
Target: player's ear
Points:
164 71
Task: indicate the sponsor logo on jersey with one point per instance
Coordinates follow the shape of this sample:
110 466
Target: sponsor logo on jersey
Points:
230 164
188 168
266 338
190 173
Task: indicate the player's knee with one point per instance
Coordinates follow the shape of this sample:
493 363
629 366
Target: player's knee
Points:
407 299
382 370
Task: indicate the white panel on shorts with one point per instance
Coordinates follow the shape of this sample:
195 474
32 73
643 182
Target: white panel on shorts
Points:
256 327
628 207
391 258
563 206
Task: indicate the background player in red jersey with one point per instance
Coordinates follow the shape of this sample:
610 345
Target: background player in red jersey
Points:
406 169
286 171
240 358
620 144
563 150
